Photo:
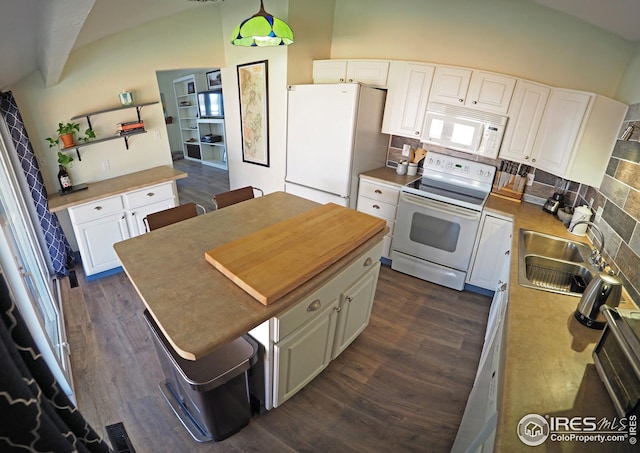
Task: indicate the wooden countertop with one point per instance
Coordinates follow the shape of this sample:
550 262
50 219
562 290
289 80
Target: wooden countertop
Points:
548 368
114 186
197 307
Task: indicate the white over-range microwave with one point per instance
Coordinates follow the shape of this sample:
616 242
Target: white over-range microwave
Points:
463 129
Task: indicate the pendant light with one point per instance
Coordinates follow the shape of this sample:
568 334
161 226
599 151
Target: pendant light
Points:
262 30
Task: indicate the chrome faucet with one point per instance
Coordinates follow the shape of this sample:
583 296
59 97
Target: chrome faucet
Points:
596 254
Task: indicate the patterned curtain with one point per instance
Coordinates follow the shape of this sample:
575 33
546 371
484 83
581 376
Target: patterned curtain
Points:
35 414
57 244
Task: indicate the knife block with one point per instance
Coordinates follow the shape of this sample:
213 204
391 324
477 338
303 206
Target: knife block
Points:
512 190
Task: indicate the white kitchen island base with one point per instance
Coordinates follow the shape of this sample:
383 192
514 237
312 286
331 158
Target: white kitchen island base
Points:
300 343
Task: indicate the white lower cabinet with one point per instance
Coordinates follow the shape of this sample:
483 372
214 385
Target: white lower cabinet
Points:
302 341
478 426
95 241
302 355
492 247
99 224
380 200
355 306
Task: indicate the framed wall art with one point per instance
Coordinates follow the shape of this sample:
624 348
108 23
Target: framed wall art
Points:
254 112
214 80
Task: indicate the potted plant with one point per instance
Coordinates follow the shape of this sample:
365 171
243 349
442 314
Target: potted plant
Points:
67 134
64 160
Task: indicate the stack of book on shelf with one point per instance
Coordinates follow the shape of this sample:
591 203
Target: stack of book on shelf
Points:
132 127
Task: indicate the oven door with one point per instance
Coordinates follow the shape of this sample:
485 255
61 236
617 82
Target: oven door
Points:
434 231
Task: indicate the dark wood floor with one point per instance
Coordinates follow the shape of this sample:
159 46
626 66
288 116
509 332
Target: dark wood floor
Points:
202 183
400 387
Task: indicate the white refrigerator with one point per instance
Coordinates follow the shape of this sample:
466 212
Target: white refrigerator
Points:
333 134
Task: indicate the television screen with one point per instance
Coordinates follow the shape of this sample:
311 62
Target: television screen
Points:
210 104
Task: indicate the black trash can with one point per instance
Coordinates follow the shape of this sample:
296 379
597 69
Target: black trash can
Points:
210 395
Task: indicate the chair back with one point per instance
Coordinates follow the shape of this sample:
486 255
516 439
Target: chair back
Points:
172 215
225 199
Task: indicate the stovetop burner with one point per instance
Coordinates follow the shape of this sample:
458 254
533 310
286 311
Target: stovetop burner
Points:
454 180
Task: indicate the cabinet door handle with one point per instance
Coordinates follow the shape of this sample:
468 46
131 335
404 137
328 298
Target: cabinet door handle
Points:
349 298
98 208
314 306
150 194
417 132
375 206
123 217
378 191
337 309
460 100
507 253
474 102
368 262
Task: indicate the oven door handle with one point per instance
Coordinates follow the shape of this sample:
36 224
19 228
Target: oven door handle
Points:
439 206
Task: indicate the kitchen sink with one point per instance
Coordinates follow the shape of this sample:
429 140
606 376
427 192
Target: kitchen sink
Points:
554 247
554 264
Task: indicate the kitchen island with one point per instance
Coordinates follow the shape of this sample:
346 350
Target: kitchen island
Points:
197 308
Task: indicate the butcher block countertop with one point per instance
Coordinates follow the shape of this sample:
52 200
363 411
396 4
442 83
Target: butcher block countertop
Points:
114 186
196 306
547 364
294 250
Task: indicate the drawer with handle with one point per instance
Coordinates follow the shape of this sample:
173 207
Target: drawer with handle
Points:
149 195
379 192
96 209
320 300
377 208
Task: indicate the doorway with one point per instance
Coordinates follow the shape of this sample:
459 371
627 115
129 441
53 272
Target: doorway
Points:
197 141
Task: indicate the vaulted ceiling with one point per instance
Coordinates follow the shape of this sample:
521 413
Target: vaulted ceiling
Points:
40 34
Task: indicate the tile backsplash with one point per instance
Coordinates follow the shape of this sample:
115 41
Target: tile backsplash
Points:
542 188
618 197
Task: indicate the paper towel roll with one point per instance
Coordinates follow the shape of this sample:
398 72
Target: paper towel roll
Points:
579 214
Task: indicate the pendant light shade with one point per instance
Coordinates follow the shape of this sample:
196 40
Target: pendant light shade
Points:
262 30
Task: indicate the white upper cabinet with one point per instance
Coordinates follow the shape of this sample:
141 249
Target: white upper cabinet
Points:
407 96
370 72
480 90
525 115
450 85
559 129
577 134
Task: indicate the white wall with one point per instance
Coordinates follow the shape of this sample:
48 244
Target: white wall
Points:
269 179
517 37
629 88
512 36
96 73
